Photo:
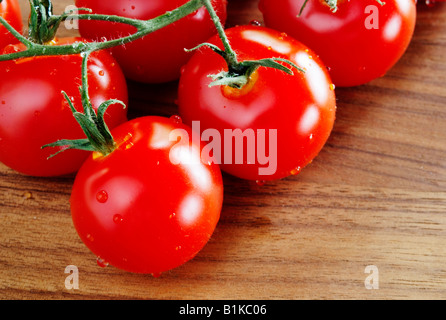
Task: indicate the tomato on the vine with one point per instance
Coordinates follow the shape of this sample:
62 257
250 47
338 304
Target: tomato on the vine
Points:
10 11
282 120
158 57
359 42
34 112
151 204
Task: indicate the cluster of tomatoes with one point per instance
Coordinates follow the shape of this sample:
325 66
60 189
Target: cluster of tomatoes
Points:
138 209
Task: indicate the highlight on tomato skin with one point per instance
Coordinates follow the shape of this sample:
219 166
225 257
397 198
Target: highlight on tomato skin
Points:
286 118
359 42
31 99
138 208
10 11
158 57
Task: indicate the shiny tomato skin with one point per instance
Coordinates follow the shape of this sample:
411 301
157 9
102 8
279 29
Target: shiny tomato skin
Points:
158 57
360 42
10 11
137 210
301 107
33 111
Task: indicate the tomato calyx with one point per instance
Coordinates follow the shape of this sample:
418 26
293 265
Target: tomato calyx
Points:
238 73
99 139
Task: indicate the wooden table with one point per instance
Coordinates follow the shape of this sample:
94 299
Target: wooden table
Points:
376 196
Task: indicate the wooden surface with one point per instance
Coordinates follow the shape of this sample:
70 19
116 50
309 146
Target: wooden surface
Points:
376 195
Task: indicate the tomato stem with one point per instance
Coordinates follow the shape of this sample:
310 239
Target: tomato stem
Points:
99 138
144 27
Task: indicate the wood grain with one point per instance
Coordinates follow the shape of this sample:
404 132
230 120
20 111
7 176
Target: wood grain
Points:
376 195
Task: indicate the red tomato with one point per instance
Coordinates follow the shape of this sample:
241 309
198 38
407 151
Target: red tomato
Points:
159 56
296 113
33 111
358 43
138 210
10 11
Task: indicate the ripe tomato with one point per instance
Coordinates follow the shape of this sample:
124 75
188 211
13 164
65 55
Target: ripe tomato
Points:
33 111
138 210
10 11
358 43
296 113
159 56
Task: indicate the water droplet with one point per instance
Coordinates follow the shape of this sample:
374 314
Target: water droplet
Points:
296 171
176 119
332 87
117 218
101 73
260 182
90 238
129 145
311 137
133 7
101 262
270 48
178 248
27 195
255 22
430 3
102 196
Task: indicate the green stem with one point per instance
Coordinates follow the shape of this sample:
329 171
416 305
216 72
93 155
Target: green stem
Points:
231 56
144 27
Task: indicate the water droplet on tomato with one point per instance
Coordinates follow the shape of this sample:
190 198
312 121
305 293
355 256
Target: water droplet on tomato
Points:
430 3
101 73
102 196
176 119
133 7
255 22
260 182
332 87
296 171
129 145
90 238
101 262
117 218
178 248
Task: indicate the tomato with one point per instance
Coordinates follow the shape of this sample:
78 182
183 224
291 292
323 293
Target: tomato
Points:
10 11
33 111
139 210
286 117
359 43
159 56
